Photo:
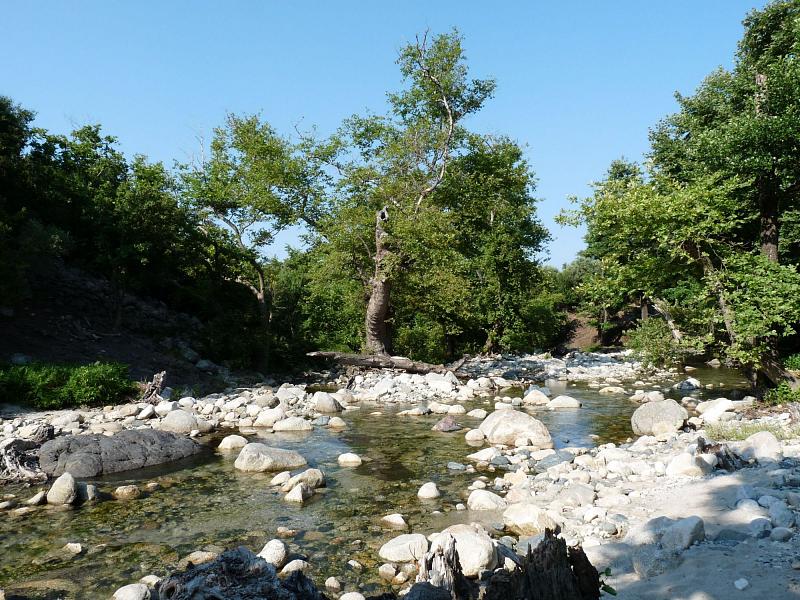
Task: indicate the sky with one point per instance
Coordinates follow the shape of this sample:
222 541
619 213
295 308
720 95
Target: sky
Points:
579 82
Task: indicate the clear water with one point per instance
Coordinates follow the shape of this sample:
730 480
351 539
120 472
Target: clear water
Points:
204 503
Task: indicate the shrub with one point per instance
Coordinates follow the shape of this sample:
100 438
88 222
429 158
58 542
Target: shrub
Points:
653 344
783 394
792 362
48 386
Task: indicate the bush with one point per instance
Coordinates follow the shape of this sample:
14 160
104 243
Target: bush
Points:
783 394
792 362
48 386
653 344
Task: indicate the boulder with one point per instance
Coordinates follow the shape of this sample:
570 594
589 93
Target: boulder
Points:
313 478
485 500
650 417
761 446
683 533
508 426
269 416
712 410
535 398
232 442
132 591
293 424
256 457
179 421
325 403
563 402
299 493
524 518
688 384
447 424
63 491
349 459
476 550
688 465
428 491
93 455
408 547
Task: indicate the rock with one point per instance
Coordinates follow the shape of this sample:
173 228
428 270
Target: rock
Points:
352 596
647 417
299 493
780 534
428 491
535 398
293 424
275 553
179 421
474 435
72 548
198 557
485 500
688 465
349 459
577 494
387 572
325 403
508 426
446 425
93 455
525 518
232 442
295 565
761 446
651 561
337 423
126 492
132 591
682 534
281 478
477 413
333 584
38 498
476 550
255 457
780 515
313 478
404 548
688 384
741 584
712 410
63 491
563 402
269 416
394 521
611 389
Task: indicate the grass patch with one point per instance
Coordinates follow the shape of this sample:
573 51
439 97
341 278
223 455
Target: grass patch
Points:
49 386
736 431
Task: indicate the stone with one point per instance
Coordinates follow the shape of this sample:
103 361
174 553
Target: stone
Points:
73 548
577 494
741 584
198 557
477 413
292 424
387 572
63 491
474 435
281 478
165 407
535 398
485 500
524 518
780 534
337 423
93 455
428 491
447 424
127 492
476 550
325 403
295 565
299 493
683 533
647 417
352 596
179 421
712 410
275 553
394 521
232 442
256 457
688 465
269 416
333 584
651 561
132 591
407 547
761 446
563 402
688 384
507 426
780 515
349 459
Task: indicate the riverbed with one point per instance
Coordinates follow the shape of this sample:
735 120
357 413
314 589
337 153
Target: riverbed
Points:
203 503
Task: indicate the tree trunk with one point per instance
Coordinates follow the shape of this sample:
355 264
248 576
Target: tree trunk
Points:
661 307
768 207
645 308
376 328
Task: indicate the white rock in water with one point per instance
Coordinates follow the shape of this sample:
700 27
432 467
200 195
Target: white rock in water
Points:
352 596
63 491
649 418
293 424
325 403
269 416
689 384
395 521
485 500
281 478
295 565
349 459
132 591
260 457
275 553
428 491
299 493
741 584
477 413
535 398
337 423
507 426
232 442
404 548
563 402
474 435
333 584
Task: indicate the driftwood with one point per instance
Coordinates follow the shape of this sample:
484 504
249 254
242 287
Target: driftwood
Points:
19 461
152 390
548 572
384 361
441 569
727 459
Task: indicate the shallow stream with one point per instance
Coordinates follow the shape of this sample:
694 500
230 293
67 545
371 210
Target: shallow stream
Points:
205 504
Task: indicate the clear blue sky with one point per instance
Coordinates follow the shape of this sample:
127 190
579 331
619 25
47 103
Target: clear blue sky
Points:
579 83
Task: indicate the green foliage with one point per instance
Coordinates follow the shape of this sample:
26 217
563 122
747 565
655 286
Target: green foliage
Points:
653 344
48 386
741 430
782 394
792 362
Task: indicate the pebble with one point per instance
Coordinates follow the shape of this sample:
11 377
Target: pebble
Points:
741 584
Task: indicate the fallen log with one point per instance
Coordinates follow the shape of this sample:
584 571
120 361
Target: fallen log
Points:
19 462
384 361
727 459
152 391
